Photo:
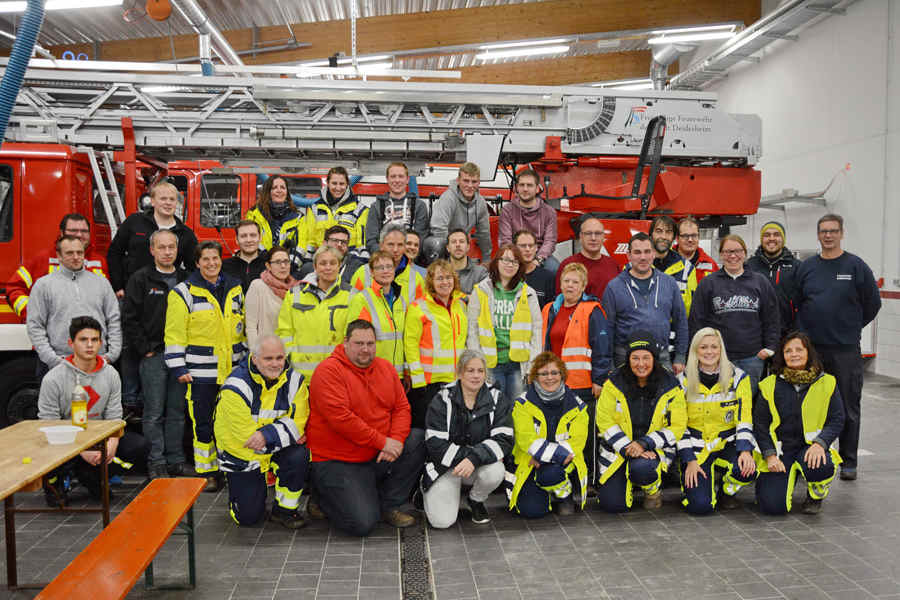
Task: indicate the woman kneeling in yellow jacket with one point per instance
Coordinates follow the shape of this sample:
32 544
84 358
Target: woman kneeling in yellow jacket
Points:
641 415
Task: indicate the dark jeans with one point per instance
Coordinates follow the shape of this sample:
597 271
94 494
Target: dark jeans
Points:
613 495
847 368
354 495
129 369
701 499
163 420
132 449
752 366
247 489
419 399
774 490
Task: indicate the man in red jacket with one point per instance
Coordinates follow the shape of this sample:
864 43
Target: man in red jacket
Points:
18 288
365 459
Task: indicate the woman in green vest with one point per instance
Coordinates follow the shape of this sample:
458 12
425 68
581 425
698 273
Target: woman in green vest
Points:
796 417
505 321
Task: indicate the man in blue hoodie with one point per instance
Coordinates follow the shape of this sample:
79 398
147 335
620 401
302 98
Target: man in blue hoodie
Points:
641 298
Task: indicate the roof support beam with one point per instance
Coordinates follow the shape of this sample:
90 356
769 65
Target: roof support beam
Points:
442 28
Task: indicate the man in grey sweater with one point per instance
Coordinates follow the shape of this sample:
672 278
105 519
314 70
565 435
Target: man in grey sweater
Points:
68 292
462 207
103 388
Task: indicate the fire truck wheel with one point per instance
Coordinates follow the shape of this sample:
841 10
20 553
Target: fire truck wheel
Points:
19 389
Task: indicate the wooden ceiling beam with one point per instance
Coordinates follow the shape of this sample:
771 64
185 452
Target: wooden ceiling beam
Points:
440 28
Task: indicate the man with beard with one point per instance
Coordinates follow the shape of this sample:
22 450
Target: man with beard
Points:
662 234
775 261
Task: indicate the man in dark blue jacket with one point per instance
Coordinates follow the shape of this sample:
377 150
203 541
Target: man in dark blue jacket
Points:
642 298
774 260
837 297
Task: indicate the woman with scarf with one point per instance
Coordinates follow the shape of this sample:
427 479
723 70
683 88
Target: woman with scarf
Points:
797 415
550 422
641 415
264 298
719 432
278 219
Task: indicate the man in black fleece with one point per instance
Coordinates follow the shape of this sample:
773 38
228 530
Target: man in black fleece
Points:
774 260
837 297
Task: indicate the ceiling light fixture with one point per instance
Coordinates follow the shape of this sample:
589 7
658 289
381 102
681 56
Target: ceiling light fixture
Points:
19 5
636 86
534 51
691 37
619 82
697 29
347 61
556 41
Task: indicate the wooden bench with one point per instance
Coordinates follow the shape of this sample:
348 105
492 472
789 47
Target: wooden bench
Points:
111 564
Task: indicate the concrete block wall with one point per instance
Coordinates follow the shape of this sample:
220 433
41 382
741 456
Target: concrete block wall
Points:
829 101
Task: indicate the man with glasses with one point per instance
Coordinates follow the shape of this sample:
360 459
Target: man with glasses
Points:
662 234
337 237
18 287
600 267
690 250
837 296
537 276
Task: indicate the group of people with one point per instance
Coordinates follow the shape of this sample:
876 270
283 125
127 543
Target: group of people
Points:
375 369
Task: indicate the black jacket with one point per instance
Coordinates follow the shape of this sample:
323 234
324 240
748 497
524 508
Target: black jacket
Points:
780 271
130 249
744 310
484 435
144 311
245 271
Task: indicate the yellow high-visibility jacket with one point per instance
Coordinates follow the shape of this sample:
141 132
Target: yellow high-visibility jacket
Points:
312 322
371 305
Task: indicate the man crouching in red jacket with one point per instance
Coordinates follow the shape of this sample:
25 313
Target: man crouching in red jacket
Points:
365 459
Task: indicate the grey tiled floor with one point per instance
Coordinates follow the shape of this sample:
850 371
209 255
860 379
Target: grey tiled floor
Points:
850 551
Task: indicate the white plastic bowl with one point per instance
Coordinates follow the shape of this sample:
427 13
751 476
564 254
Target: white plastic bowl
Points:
60 434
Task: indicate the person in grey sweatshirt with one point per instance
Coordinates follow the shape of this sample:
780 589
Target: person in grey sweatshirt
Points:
68 292
462 207
86 368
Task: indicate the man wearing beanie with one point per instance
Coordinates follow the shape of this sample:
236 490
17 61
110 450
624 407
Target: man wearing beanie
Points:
775 261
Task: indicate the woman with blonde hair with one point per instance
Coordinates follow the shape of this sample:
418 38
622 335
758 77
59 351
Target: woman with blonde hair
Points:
719 432
434 337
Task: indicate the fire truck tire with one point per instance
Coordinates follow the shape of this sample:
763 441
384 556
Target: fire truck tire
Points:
19 389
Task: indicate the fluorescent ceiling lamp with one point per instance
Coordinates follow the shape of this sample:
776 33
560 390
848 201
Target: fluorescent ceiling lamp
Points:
690 37
619 82
636 86
523 52
382 66
19 6
697 29
556 41
159 89
346 61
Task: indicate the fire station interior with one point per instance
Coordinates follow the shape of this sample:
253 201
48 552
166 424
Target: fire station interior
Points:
772 110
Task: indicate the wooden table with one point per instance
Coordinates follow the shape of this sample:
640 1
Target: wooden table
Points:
25 440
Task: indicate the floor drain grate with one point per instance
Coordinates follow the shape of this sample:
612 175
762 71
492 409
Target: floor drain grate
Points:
415 569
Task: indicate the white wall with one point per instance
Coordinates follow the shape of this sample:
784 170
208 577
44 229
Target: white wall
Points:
828 101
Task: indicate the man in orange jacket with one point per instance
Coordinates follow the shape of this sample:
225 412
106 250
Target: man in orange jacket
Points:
688 230
365 458
18 287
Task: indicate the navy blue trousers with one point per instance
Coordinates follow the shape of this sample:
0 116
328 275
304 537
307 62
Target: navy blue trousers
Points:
774 490
614 495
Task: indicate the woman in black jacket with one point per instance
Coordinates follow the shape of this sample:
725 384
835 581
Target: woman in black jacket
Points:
469 431
797 415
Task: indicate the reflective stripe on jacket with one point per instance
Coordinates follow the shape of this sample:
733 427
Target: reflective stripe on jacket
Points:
685 276
813 413
434 338
524 332
351 214
289 235
410 291
533 441
202 338
312 322
371 305
715 418
246 405
577 351
614 425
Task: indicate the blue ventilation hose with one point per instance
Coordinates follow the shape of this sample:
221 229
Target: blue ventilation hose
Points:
23 47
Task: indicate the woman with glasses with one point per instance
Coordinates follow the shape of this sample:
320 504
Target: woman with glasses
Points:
641 415
575 328
797 416
264 298
742 305
547 466
469 432
505 321
719 434
313 316
383 305
434 337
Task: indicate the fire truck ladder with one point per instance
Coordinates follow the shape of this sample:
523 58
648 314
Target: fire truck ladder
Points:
105 187
307 123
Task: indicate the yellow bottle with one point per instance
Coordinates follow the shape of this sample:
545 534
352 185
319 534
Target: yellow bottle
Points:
79 407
